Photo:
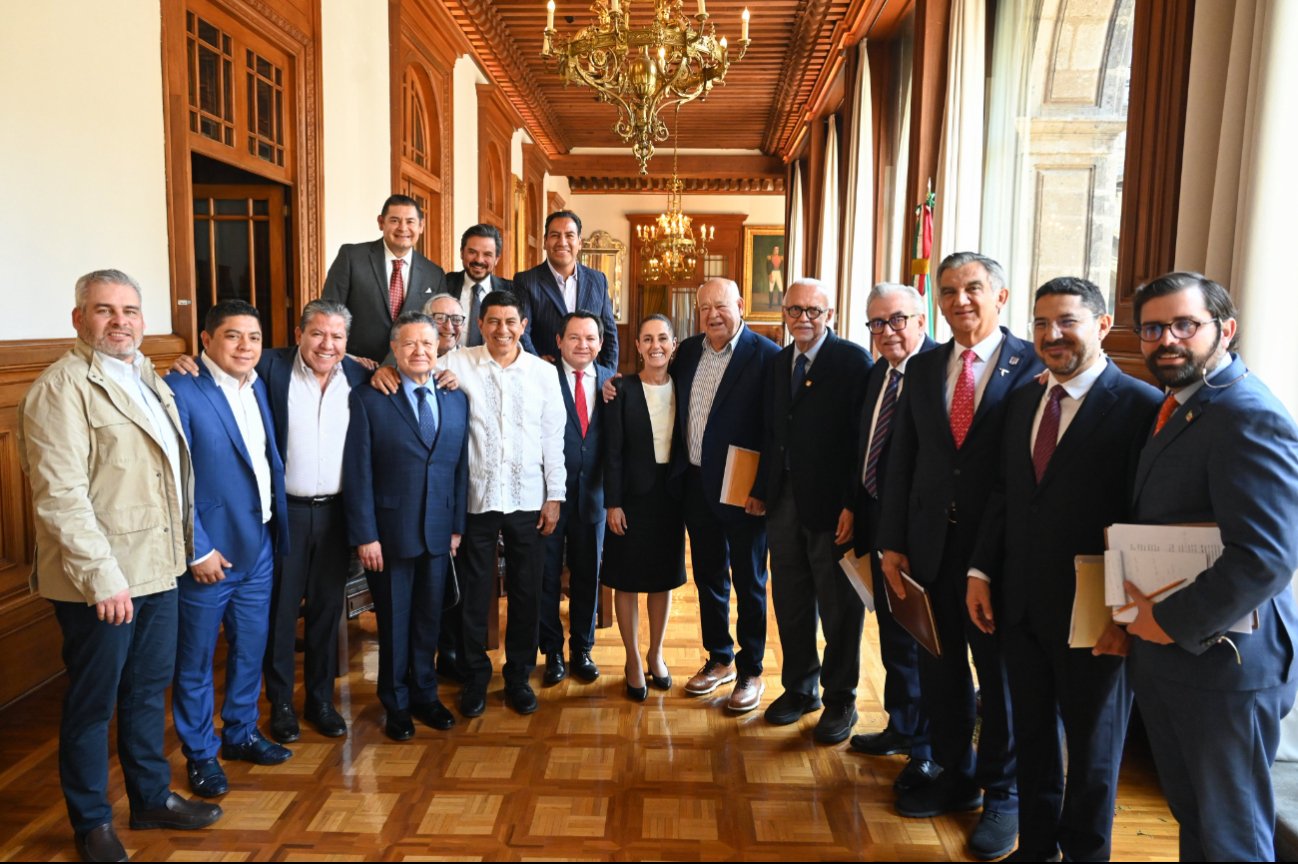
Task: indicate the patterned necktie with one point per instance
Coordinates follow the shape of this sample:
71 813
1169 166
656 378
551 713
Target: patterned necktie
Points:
396 288
1047 432
962 402
579 399
799 375
1165 413
427 426
882 430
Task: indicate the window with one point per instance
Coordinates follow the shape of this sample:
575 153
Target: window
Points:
211 80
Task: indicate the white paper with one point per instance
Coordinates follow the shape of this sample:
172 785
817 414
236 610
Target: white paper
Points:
849 562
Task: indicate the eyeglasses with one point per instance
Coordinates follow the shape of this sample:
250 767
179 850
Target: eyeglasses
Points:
795 312
1064 325
443 317
1182 328
896 322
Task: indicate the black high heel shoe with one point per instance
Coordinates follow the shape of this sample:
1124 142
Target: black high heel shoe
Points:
660 682
635 694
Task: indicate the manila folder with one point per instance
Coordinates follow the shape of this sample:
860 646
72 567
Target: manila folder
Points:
741 471
1090 614
915 614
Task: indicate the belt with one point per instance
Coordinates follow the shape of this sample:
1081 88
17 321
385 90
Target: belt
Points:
317 501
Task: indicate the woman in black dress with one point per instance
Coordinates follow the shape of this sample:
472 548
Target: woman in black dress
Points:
644 549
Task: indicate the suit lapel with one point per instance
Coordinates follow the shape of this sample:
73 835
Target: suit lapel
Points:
1088 418
1003 375
1180 421
743 347
221 406
569 400
380 268
401 405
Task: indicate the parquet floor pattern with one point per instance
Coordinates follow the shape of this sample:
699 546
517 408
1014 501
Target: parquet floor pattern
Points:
589 776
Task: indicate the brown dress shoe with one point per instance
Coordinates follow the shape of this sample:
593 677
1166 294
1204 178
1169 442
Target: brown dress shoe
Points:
747 694
710 677
101 844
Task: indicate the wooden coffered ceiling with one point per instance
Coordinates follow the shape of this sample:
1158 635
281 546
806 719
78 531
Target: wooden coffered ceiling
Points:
767 101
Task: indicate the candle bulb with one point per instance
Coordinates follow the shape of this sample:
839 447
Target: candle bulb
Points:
617 6
743 26
549 15
703 9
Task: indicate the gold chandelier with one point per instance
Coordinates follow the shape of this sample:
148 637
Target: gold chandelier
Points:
660 60
669 250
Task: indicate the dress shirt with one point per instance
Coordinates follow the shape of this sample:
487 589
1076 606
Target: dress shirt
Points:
567 287
712 368
661 399
810 352
898 369
247 416
410 385
987 350
516 426
128 376
587 384
317 430
388 258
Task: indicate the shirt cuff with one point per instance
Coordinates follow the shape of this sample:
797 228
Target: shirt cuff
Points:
204 558
975 573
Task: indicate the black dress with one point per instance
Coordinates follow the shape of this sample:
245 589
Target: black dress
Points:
650 557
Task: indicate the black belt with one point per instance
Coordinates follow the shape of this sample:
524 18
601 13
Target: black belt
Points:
317 501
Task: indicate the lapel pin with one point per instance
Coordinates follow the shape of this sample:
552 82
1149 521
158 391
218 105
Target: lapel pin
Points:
1003 371
1189 415
806 383
1014 361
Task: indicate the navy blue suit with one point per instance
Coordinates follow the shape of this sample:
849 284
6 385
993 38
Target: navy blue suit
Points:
1228 456
724 540
228 519
411 498
580 527
897 648
1031 533
314 566
545 309
932 507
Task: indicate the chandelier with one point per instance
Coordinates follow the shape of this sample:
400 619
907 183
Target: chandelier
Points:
662 59
669 249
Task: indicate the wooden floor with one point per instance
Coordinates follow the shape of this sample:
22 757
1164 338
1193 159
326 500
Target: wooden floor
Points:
589 776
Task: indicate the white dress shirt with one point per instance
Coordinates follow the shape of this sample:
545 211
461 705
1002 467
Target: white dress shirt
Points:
661 399
317 430
567 287
128 376
516 425
587 384
987 350
247 416
712 368
388 258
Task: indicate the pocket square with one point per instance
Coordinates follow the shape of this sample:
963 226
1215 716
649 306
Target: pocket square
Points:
428 290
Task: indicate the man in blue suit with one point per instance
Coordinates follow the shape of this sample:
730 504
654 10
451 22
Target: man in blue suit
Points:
1067 457
945 451
581 516
720 384
406 473
896 319
239 509
1225 451
561 284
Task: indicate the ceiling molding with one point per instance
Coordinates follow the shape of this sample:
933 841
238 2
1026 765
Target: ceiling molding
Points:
690 185
739 173
794 74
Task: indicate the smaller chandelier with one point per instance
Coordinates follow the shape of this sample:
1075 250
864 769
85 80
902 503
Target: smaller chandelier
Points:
670 251
660 60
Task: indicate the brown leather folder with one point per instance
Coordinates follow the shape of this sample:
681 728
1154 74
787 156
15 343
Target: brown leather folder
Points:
915 614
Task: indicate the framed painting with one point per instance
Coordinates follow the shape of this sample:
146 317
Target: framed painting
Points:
604 252
764 272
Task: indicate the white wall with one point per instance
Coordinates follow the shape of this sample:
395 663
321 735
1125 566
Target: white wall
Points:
82 176
467 77
609 212
357 120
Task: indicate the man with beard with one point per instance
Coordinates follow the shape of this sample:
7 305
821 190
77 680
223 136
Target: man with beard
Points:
1223 451
480 248
1069 446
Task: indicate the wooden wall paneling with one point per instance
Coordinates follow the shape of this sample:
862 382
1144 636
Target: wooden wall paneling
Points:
928 92
813 192
883 65
1161 38
535 167
496 124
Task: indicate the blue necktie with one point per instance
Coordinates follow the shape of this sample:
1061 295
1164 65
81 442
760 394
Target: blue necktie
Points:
799 374
427 426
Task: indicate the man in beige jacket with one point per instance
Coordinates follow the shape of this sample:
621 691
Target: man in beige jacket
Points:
110 474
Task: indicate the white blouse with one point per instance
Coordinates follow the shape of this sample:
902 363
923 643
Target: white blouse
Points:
661 399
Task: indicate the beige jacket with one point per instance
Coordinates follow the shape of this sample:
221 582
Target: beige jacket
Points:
108 515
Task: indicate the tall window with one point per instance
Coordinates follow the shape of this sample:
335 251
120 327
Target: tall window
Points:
421 155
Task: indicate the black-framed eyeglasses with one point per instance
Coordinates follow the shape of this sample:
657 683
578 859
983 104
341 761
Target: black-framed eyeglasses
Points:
1182 328
443 317
795 312
896 322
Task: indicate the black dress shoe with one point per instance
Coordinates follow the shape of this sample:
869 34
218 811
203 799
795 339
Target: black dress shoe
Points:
835 724
946 794
884 743
101 844
994 836
917 773
789 706
521 698
256 750
584 667
176 813
473 701
555 670
283 723
433 714
659 682
398 726
207 778
326 719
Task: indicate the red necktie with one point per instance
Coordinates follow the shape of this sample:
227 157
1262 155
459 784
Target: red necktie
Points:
1047 432
579 397
1165 413
962 403
396 288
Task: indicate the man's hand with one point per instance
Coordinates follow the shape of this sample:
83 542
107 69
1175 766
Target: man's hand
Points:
211 569
549 358
369 364
371 555
455 544
446 380
116 609
894 564
755 506
616 520
185 365
386 380
609 390
549 518
978 599
1145 627
1114 640
843 535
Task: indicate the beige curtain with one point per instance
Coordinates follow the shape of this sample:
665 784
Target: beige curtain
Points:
858 212
829 221
797 246
960 157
